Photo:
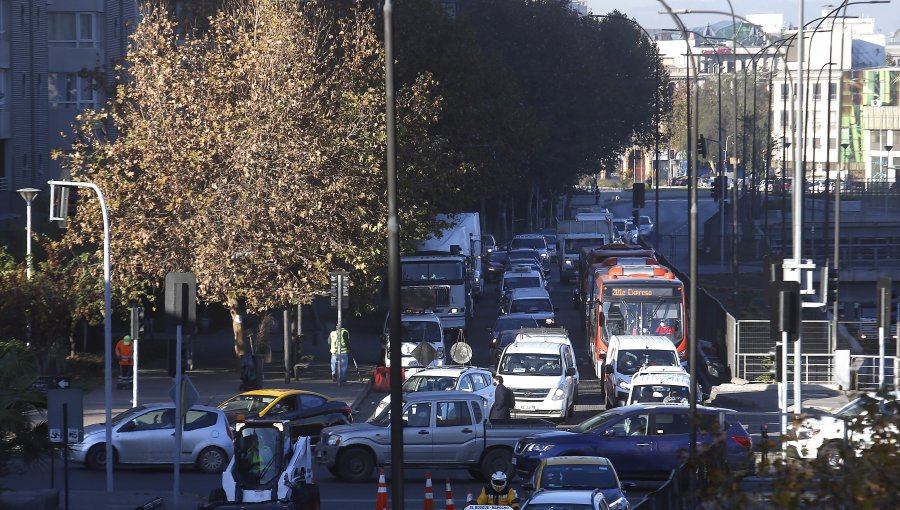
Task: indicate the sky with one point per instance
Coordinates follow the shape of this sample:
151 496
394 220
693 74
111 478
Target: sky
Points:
645 12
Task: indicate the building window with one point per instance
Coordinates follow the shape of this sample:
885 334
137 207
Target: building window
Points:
817 91
785 117
451 8
784 90
879 167
832 143
72 29
4 19
878 139
832 90
817 143
70 91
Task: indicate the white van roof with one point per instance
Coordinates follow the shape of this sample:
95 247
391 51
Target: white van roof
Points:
545 335
630 342
533 347
661 375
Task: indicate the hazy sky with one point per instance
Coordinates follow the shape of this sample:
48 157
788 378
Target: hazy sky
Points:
887 16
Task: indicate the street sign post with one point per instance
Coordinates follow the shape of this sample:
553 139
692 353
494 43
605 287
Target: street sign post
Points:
884 320
65 421
340 299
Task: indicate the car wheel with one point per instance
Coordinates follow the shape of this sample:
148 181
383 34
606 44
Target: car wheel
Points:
498 459
212 459
355 465
96 457
830 454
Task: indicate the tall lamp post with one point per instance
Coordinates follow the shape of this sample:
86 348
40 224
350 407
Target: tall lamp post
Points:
28 194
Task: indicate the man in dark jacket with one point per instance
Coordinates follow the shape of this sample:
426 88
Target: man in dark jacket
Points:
504 400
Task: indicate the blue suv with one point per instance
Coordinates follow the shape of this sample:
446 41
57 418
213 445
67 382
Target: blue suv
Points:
641 441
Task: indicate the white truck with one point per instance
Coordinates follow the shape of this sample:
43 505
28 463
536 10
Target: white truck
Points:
573 235
416 328
462 236
438 282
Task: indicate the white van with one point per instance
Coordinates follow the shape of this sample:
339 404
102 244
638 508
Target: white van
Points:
542 376
660 385
629 353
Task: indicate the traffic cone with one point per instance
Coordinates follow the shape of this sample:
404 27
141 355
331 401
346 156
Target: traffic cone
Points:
429 495
448 495
381 500
470 499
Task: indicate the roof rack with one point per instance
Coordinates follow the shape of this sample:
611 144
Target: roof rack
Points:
543 331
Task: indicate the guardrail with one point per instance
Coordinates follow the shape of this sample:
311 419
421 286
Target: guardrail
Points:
865 368
817 368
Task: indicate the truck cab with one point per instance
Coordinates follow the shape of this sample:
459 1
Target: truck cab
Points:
438 282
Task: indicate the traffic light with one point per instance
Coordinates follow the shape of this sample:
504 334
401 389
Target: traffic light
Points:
638 194
715 193
137 322
777 361
784 310
636 217
833 280
701 146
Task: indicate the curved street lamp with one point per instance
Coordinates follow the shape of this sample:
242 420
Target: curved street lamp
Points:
28 194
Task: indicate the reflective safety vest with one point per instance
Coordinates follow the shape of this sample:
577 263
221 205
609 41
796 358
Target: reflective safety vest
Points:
125 353
333 342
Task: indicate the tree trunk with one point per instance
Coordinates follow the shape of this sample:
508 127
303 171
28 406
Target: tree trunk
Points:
237 325
530 207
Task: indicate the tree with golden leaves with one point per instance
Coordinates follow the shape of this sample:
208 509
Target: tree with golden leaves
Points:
252 154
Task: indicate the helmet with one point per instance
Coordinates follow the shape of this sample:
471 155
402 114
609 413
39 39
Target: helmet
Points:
127 339
498 481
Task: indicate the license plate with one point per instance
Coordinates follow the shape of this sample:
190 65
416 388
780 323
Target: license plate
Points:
526 407
513 461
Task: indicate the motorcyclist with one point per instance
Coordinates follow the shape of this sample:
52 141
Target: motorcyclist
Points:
497 493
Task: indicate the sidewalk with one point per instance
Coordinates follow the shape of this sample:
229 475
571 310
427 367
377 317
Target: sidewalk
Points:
821 398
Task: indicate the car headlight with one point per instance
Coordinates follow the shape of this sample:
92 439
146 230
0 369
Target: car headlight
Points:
544 255
334 440
538 448
454 310
568 262
560 392
549 321
624 385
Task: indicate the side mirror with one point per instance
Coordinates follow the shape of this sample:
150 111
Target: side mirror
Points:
607 369
609 433
570 372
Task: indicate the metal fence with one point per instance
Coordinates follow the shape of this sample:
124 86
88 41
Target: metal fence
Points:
865 370
754 345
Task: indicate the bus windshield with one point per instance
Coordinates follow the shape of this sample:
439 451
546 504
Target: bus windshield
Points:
416 272
643 311
574 245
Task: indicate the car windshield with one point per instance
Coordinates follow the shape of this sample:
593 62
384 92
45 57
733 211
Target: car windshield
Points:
578 476
524 254
574 245
595 422
630 361
534 243
246 404
432 271
664 393
498 256
258 452
419 331
521 282
550 238
505 323
531 305
531 364
856 407
429 383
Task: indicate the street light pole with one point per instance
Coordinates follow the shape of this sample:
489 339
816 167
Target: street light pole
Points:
28 194
107 312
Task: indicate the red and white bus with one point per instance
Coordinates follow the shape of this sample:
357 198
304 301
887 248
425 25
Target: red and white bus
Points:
635 300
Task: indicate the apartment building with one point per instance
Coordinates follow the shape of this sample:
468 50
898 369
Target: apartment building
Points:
57 57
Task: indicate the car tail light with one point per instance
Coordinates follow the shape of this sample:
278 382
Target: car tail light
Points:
743 441
347 409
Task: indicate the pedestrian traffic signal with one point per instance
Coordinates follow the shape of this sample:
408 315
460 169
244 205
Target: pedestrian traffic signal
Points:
701 146
137 322
784 310
715 193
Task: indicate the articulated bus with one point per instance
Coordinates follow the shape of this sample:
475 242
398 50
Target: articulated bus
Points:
635 300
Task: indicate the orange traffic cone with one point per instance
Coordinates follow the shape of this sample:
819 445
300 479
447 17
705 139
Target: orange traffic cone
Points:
429 495
470 499
448 495
381 500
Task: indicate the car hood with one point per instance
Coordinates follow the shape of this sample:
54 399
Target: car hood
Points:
96 428
530 381
355 429
559 437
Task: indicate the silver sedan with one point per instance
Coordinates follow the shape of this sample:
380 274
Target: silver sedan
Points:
146 435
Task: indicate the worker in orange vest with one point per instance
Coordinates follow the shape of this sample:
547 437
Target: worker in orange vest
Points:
125 355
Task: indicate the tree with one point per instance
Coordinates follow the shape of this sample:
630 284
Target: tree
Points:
251 154
20 436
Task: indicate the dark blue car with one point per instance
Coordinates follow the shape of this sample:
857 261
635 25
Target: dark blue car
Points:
642 441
